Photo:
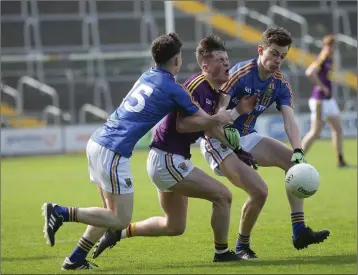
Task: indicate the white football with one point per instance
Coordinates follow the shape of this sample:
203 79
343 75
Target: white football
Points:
302 180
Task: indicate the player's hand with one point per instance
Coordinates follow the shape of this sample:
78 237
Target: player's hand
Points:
298 156
223 116
246 104
232 135
325 90
246 157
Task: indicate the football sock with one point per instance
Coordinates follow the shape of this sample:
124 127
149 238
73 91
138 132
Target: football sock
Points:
79 254
243 241
69 214
221 247
340 158
129 231
298 223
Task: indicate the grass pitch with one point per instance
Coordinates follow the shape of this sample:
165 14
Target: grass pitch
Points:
29 182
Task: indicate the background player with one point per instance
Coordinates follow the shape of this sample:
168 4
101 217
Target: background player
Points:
153 96
182 179
262 77
322 105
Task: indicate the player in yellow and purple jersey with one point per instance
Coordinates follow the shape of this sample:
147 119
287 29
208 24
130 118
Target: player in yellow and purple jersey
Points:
322 105
169 165
153 96
262 77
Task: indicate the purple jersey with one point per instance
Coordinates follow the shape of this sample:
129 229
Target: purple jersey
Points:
245 80
324 67
166 137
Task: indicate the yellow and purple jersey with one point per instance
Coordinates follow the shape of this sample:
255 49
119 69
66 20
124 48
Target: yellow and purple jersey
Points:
166 137
245 80
324 66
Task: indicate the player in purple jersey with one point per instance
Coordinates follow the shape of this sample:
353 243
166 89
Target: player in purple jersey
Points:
169 165
322 105
262 77
153 96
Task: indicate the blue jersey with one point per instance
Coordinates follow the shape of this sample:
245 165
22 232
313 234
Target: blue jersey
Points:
153 96
245 80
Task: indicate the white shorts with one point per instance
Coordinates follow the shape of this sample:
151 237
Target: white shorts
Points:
166 169
215 153
108 169
322 109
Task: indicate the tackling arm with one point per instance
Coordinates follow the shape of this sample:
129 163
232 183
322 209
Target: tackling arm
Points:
201 121
217 132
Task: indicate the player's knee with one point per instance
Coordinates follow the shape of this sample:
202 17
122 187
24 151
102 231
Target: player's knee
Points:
176 230
225 197
337 130
123 221
259 196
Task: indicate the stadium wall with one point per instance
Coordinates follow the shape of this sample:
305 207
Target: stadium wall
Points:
73 138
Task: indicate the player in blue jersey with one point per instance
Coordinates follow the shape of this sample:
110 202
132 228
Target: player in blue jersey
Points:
153 96
171 170
262 77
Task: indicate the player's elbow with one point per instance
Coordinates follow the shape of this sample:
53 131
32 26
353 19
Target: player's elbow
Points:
181 127
308 73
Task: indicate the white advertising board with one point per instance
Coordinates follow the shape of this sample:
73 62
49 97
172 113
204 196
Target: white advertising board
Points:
272 125
31 141
77 136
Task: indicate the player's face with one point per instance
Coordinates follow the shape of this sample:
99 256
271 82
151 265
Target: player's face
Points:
177 63
272 57
218 67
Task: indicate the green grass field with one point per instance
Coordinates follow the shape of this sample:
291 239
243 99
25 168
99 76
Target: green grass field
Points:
29 182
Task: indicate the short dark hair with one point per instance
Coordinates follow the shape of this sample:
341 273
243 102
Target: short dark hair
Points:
165 47
279 36
207 46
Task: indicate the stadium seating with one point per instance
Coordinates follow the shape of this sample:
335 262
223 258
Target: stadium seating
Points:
64 27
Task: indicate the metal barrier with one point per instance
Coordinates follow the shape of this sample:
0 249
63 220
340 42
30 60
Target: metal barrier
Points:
89 108
296 18
41 87
15 94
101 87
56 112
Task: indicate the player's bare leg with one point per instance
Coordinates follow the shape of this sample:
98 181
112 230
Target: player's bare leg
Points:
313 134
77 259
337 138
270 152
196 185
117 215
247 179
173 223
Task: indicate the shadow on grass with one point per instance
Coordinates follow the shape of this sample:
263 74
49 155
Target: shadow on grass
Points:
304 260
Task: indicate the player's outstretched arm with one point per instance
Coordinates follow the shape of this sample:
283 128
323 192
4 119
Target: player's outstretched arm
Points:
201 121
293 134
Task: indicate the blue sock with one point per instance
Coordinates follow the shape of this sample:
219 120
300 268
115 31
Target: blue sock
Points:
81 251
69 214
243 241
298 223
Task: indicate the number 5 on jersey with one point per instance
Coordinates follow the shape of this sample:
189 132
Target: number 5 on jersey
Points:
136 93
